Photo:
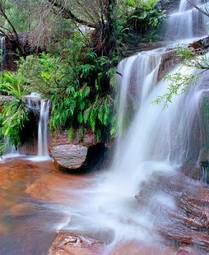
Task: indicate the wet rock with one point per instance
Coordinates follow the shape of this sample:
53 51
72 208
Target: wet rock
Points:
186 251
75 244
3 228
134 248
24 209
187 222
50 186
144 47
192 171
170 58
200 46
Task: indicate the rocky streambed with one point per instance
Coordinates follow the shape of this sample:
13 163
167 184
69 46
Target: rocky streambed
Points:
31 199
36 203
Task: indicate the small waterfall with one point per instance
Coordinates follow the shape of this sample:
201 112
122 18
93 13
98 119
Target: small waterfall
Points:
33 102
43 129
2 49
40 107
10 151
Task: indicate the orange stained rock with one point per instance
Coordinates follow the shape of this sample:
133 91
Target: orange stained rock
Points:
134 248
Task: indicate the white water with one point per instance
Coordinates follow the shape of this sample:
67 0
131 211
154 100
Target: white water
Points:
187 22
2 49
155 140
158 140
41 107
10 151
43 130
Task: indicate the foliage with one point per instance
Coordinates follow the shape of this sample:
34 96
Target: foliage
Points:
14 116
12 84
14 113
181 80
78 72
78 83
179 83
146 19
2 148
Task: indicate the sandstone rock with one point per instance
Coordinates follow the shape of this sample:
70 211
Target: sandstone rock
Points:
62 137
74 244
74 155
3 228
24 209
187 223
69 156
186 251
135 248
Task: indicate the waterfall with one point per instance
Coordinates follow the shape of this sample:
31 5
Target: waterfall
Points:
187 22
2 48
40 107
43 129
155 140
136 71
10 151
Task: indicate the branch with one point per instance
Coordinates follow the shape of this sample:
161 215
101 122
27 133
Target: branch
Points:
13 29
198 8
67 14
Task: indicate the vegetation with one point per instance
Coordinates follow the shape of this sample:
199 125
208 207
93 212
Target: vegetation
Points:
75 47
14 114
193 65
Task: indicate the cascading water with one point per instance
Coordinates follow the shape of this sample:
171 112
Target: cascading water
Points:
135 72
43 129
10 151
41 107
157 139
2 49
187 22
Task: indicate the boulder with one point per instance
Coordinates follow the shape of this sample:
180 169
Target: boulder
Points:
69 156
76 155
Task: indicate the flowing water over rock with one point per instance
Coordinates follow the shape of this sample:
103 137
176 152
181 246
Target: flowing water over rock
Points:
143 204
154 141
40 107
43 129
32 205
2 49
187 22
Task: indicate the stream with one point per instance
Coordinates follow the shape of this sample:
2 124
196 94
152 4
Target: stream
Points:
145 202
34 205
